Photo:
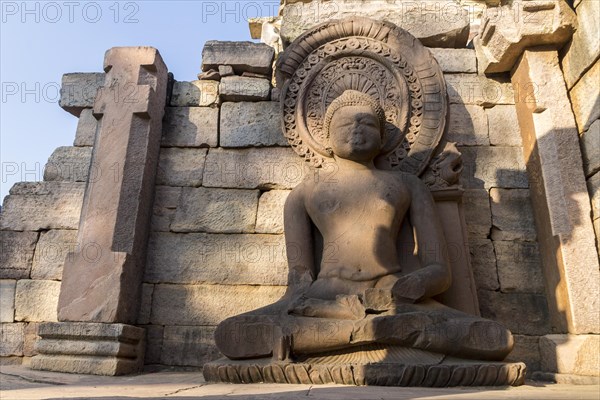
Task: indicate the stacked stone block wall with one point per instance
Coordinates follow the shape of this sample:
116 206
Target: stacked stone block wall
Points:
216 246
581 68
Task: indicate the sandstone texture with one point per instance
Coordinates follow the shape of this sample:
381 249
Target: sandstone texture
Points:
181 166
70 164
189 345
7 300
208 304
78 91
436 23
12 338
269 218
512 215
195 94
584 49
479 90
519 267
504 126
571 354
521 313
216 210
240 88
496 166
478 214
50 253
483 262
241 56
467 125
266 168
584 97
456 60
191 127
166 200
218 259
590 149
251 125
36 301
86 129
34 206
16 253
504 36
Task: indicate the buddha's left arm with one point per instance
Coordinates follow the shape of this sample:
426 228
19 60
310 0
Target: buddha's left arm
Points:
434 277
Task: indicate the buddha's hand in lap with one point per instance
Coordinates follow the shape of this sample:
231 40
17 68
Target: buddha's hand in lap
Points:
409 288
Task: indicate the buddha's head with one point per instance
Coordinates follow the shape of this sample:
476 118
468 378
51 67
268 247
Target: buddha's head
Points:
354 126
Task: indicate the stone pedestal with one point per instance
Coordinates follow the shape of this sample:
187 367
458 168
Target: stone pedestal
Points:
89 348
378 366
558 193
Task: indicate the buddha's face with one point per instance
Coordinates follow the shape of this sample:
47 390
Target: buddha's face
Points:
355 134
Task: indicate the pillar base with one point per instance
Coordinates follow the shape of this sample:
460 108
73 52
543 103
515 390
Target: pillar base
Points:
568 355
90 348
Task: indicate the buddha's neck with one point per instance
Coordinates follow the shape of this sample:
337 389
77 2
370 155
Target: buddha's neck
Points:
346 164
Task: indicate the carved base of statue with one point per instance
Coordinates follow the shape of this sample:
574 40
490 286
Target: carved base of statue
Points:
369 365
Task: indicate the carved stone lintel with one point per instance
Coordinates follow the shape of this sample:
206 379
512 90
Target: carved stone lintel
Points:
508 30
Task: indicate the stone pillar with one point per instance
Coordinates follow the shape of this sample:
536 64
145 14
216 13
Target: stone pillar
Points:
100 292
562 213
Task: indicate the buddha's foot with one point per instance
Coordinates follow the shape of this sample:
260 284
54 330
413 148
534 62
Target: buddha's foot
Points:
247 336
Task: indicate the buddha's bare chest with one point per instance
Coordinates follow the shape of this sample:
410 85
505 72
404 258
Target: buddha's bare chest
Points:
374 200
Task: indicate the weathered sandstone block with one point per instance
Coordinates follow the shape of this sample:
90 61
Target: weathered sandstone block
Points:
584 49
51 251
86 129
208 304
216 210
145 304
71 164
455 60
512 215
195 93
266 168
527 350
507 30
487 167
7 300
467 125
504 126
189 345
483 262
251 125
239 88
584 97
221 259
436 23
571 354
78 91
270 211
16 253
154 341
478 214
34 206
479 90
519 266
166 200
180 167
590 149
36 301
241 56
12 337
521 313
190 127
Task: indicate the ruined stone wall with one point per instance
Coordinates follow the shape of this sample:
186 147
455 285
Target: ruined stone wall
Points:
581 69
216 246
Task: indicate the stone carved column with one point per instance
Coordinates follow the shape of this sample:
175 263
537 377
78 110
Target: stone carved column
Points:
561 207
101 284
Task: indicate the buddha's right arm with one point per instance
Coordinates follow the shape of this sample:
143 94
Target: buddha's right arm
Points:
299 242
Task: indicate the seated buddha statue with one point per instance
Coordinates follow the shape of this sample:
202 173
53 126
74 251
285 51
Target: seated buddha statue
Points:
358 292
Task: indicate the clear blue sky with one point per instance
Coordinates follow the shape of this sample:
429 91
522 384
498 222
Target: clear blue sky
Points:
42 40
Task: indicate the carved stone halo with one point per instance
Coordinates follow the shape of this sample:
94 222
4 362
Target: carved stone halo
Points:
373 57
